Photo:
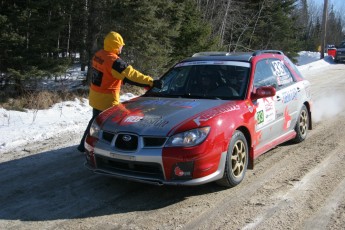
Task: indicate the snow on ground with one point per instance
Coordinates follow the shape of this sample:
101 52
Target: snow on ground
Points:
20 128
311 61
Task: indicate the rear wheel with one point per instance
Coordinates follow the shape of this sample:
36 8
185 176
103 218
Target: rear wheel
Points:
236 162
302 125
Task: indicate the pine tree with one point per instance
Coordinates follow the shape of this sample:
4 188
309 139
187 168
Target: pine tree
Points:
147 28
194 34
334 28
37 27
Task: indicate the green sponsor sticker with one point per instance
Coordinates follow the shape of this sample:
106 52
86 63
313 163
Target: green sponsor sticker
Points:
260 116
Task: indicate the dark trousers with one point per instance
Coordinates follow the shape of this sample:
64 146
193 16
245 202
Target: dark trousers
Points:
95 113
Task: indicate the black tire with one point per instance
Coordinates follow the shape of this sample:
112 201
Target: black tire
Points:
302 125
236 161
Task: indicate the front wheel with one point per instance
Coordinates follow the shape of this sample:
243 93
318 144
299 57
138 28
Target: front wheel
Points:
236 161
302 125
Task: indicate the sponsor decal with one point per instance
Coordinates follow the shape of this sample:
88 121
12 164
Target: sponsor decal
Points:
198 120
289 95
257 137
178 171
154 121
215 111
266 112
287 121
279 70
183 170
145 121
133 119
249 106
257 134
116 112
279 115
284 80
260 116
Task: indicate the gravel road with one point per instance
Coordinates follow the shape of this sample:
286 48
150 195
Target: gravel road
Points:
45 185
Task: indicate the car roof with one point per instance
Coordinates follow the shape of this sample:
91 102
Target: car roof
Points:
226 56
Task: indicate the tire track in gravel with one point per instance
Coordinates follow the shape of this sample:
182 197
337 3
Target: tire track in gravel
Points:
332 205
297 200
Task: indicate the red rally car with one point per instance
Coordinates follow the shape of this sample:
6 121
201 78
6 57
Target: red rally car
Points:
215 114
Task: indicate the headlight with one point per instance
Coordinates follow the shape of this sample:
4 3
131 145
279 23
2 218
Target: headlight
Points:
189 138
95 129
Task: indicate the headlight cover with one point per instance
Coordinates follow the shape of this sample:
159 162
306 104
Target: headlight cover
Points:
95 129
189 138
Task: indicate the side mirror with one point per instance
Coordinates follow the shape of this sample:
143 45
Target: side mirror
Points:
263 91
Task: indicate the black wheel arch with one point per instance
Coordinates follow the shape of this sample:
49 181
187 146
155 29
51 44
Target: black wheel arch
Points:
310 124
248 137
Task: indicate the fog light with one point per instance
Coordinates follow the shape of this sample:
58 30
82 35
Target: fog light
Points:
183 170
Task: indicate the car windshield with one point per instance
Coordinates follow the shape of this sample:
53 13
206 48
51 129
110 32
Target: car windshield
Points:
342 45
205 79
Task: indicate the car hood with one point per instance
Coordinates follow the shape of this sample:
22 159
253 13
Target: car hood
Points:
156 116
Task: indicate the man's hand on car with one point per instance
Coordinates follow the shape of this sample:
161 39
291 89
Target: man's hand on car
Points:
157 84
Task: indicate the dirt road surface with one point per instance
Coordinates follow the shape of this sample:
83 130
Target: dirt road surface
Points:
45 185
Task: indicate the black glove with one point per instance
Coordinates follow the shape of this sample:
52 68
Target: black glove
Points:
157 84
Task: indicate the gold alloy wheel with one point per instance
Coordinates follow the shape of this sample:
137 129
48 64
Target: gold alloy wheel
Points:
238 158
303 122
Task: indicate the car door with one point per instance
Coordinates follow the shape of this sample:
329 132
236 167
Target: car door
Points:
270 110
286 96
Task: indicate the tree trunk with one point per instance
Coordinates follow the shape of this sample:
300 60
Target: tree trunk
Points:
83 51
324 27
94 30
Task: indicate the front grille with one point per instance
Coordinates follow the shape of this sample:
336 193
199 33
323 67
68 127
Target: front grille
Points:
154 141
130 168
107 136
130 142
126 142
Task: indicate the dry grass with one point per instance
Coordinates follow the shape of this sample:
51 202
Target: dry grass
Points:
132 89
38 100
46 99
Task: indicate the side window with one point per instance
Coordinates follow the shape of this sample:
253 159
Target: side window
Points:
294 68
264 75
282 74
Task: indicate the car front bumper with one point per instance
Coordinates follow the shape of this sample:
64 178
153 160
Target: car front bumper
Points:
148 168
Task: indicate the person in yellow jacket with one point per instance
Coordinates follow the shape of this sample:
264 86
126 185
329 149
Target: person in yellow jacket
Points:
108 73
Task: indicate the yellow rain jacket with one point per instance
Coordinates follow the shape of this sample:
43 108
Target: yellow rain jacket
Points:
108 72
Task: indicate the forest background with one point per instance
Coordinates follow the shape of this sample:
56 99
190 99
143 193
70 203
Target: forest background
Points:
43 38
